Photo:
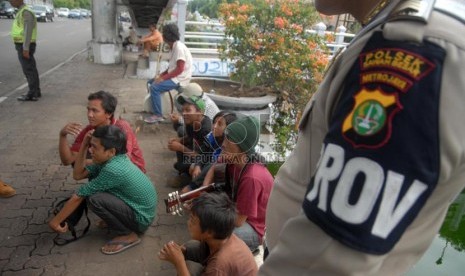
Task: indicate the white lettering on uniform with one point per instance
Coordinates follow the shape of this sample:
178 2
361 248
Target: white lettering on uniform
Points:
331 165
360 211
388 215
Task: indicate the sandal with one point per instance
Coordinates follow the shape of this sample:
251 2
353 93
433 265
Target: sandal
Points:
124 246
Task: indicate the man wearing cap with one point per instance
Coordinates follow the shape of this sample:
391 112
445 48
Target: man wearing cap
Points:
193 89
24 35
193 148
248 181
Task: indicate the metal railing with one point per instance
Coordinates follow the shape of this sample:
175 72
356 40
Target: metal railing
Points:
206 42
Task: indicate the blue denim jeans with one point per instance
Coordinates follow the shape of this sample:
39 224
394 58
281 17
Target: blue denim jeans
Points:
156 89
248 235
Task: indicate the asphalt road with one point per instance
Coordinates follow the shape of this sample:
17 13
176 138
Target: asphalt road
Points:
56 42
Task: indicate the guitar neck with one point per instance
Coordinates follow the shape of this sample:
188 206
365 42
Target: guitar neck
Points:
196 193
176 199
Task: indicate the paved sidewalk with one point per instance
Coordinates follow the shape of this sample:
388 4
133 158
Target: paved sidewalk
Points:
29 161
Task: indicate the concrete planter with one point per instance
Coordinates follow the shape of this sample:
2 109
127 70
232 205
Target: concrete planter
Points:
258 107
242 103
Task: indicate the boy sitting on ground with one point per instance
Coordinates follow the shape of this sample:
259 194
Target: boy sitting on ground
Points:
193 148
118 191
192 89
215 250
216 137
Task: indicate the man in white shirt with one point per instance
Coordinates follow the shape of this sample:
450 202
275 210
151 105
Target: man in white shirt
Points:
178 74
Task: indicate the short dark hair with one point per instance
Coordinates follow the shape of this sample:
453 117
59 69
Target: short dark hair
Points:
216 213
111 137
228 116
109 102
170 33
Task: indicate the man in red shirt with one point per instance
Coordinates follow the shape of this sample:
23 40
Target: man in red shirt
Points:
248 181
100 111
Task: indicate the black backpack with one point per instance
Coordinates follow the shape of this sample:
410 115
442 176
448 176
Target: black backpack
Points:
72 221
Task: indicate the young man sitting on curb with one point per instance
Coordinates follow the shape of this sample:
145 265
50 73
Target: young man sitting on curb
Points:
100 111
193 148
179 71
248 181
152 41
118 192
214 250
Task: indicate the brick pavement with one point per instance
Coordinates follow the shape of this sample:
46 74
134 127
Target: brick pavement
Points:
29 161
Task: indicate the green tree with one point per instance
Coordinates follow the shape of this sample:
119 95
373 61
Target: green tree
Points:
210 7
85 4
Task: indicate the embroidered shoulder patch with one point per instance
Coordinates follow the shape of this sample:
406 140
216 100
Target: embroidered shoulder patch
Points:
383 73
380 156
369 122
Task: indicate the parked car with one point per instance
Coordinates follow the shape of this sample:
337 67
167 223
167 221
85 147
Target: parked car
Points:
63 12
75 14
43 13
6 9
85 13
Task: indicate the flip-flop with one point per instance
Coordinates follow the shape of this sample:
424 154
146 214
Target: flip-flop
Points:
125 245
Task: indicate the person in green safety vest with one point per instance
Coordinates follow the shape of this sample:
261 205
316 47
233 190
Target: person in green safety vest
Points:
24 35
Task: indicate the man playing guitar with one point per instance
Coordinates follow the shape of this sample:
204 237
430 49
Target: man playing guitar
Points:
248 181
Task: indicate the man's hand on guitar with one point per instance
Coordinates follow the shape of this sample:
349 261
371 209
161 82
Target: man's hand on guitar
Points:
176 202
187 204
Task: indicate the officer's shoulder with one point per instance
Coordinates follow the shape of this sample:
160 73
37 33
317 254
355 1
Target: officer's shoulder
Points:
420 10
407 21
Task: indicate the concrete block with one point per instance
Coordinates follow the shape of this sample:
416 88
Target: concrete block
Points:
165 103
106 53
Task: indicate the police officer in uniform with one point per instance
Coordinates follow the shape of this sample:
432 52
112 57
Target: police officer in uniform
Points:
24 34
380 153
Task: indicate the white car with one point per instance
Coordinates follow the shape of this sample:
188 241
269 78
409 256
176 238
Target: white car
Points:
63 12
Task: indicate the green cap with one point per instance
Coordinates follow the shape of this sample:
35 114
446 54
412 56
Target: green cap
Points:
195 100
244 132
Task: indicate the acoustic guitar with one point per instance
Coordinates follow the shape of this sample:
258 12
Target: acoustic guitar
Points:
174 202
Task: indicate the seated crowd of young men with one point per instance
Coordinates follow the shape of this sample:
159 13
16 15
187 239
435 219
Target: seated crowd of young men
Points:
125 199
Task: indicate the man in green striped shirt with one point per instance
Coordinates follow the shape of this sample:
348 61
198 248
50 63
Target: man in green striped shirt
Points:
118 192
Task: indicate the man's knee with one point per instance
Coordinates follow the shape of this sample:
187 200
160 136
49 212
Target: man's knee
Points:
154 90
95 201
